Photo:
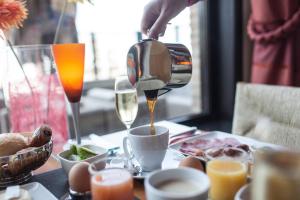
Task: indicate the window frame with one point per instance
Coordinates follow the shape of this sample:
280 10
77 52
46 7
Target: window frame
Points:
221 62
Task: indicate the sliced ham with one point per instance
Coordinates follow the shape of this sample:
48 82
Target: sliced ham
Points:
194 146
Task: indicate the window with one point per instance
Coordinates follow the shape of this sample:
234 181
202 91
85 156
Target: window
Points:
109 29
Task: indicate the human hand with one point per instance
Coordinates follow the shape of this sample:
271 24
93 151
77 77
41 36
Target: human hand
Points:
157 13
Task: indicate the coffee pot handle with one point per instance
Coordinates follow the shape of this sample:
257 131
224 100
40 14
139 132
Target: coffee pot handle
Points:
163 91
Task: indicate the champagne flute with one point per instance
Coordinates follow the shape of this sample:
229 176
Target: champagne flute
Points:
69 59
126 101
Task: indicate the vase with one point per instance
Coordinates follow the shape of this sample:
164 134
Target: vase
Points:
32 91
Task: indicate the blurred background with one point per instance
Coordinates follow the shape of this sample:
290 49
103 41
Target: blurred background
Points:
231 41
109 29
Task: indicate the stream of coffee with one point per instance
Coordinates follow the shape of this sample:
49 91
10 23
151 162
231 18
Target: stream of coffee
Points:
151 96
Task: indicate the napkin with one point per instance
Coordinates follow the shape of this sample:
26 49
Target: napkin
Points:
100 141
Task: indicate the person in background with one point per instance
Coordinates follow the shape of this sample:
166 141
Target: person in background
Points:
274 28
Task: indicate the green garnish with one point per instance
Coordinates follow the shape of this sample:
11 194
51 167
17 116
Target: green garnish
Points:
85 153
73 149
80 153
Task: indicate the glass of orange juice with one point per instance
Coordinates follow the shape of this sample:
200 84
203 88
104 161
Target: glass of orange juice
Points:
226 177
109 181
69 59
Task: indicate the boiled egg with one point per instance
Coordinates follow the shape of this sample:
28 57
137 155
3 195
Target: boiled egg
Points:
79 177
191 162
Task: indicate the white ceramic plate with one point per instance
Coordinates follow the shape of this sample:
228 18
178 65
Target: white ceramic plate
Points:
254 144
243 193
172 160
37 191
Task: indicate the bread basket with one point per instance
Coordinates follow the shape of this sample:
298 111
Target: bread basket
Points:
17 168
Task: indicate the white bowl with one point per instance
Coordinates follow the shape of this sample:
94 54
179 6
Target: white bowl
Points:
183 173
67 164
243 193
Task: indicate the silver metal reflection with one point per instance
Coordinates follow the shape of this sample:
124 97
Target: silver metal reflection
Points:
158 66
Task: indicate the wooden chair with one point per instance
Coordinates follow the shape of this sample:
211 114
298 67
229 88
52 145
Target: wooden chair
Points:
268 113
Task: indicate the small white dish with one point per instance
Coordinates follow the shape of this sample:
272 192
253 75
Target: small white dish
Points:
200 182
243 193
67 164
37 191
171 161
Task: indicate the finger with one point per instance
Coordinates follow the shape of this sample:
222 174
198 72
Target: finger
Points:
146 25
158 27
162 33
148 20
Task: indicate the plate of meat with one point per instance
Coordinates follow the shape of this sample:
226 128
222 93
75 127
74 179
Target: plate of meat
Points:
215 144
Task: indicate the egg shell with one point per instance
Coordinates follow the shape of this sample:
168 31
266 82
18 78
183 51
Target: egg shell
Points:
79 177
191 162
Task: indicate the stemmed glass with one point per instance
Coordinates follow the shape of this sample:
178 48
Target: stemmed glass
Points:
69 59
126 101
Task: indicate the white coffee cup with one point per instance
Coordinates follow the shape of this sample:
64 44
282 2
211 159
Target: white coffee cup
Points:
149 150
177 184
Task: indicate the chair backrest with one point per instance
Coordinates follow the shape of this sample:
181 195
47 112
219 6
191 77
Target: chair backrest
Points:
268 113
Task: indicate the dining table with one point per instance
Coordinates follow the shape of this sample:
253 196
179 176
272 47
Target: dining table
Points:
53 177
56 182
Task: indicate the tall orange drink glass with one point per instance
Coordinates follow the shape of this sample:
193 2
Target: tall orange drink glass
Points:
69 59
112 184
226 178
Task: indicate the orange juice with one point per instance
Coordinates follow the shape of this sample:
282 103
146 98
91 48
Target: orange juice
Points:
112 184
226 178
69 59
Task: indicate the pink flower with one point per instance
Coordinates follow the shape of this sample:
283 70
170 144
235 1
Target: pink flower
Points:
12 13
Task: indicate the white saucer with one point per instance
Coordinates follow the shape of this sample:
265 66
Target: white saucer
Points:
37 191
172 160
243 193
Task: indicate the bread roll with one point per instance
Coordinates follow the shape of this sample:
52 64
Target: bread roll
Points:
11 143
41 136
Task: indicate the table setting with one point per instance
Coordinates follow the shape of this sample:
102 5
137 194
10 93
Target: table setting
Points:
175 164
157 161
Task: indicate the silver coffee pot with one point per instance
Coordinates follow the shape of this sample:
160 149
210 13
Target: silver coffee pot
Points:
154 65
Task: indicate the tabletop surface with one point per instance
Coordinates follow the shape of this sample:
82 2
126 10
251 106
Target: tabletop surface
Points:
53 177
56 180
57 183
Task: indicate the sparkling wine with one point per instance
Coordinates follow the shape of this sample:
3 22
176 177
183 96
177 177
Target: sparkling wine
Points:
151 96
127 105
